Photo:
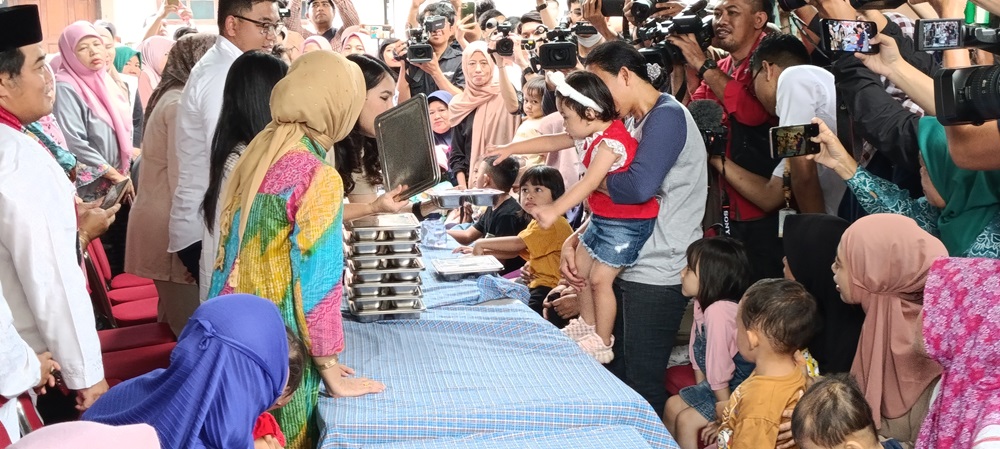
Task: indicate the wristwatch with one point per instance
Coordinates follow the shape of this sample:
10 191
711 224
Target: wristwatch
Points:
541 7
708 65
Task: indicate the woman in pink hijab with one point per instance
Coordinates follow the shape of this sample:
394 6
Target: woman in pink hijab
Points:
882 264
961 330
100 138
354 42
154 57
313 43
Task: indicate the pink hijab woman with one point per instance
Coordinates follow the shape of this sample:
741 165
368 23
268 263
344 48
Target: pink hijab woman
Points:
89 84
354 42
154 57
313 43
882 264
961 330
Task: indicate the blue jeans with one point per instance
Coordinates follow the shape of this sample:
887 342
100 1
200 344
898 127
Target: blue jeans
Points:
645 329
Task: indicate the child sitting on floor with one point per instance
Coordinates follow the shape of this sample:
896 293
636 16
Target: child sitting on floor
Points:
717 275
775 319
540 186
835 414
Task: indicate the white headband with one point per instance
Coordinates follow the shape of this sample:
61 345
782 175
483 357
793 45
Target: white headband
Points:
559 80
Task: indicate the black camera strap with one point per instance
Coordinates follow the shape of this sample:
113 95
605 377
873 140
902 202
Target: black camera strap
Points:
724 196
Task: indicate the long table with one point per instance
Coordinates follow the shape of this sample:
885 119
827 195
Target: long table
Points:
480 376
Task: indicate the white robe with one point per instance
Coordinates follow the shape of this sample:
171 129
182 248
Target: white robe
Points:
19 370
40 275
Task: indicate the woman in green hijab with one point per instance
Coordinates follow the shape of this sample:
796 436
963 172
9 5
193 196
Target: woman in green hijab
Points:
961 207
127 61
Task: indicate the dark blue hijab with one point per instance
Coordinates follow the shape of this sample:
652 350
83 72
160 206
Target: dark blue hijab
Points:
229 366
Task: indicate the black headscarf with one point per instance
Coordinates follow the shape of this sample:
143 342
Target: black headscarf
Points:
811 242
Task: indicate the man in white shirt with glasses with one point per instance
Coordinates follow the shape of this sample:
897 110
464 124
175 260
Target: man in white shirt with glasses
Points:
244 25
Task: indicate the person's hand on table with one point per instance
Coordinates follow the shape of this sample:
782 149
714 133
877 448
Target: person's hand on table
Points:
462 250
478 250
785 439
567 262
710 433
340 385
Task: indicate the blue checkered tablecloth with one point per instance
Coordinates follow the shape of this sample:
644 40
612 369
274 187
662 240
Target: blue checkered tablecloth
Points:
486 375
578 438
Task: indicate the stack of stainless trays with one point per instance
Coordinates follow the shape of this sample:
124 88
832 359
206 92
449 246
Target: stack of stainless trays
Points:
382 275
453 199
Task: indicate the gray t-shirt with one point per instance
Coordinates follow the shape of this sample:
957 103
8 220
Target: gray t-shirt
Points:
672 145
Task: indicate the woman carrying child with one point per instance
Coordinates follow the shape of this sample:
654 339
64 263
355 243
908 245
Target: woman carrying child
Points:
617 231
540 186
717 275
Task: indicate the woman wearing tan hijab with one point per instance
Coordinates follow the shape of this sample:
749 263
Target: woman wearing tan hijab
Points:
882 264
479 114
281 224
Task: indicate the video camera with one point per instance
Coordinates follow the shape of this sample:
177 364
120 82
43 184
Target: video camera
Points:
967 95
559 51
505 45
692 20
418 49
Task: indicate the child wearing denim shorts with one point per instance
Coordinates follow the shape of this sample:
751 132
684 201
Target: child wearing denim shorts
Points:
616 232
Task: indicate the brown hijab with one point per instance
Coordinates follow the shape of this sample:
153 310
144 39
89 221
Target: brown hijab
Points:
181 59
888 257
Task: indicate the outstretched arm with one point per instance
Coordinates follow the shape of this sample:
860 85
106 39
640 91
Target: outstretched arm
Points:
541 144
501 247
601 163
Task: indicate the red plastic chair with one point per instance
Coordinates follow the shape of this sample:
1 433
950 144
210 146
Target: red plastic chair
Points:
124 287
122 307
133 351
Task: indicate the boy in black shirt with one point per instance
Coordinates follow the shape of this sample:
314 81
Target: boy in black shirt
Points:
505 218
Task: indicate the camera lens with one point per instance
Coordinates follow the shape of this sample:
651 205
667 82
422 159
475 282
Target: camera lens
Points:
641 10
984 86
505 47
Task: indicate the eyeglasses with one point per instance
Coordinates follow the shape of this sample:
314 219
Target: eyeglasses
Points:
265 27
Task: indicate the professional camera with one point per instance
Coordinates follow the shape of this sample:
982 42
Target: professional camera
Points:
418 49
692 20
505 45
948 34
642 9
559 52
967 95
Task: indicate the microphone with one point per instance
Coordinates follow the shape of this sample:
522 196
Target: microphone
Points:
707 115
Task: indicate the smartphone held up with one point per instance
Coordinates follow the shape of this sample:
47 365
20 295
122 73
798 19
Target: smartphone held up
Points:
849 36
794 140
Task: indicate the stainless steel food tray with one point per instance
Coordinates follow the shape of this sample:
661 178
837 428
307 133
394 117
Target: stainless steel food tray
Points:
406 147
